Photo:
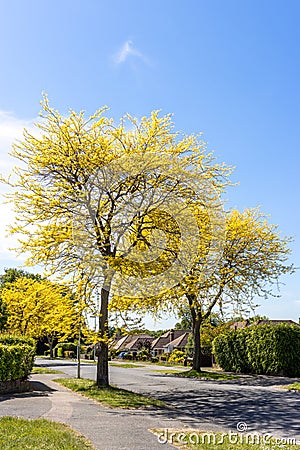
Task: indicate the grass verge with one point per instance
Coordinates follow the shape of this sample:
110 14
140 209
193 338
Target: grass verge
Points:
45 370
110 396
208 440
293 387
17 433
126 365
204 375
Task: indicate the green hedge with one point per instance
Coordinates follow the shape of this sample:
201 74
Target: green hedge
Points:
263 349
10 339
63 347
16 357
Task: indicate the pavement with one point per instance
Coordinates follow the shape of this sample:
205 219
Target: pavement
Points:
105 428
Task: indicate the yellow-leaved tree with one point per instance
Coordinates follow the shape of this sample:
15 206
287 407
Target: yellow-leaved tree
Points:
253 258
129 208
40 309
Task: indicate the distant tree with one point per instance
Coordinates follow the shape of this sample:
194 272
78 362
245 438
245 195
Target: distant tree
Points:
39 308
256 318
185 316
11 274
145 344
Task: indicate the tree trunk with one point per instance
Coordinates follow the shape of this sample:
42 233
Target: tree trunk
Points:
50 341
197 345
196 329
102 348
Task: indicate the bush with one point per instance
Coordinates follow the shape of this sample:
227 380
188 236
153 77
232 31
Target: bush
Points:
144 355
177 357
264 349
16 357
63 347
230 350
9 339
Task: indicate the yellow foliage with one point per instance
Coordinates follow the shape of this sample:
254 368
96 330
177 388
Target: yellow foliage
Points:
39 309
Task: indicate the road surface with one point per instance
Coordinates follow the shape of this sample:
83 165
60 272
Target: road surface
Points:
258 403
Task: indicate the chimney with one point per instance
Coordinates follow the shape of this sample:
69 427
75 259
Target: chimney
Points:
171 335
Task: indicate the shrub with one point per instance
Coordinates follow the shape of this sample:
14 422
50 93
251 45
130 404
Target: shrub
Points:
9 339
144 355
177 357
16 357
264 349
63 347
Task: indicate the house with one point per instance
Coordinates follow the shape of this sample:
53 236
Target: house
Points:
131 342
246 323
160 344
178 343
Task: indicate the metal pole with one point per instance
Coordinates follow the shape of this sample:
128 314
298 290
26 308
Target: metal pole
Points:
78 353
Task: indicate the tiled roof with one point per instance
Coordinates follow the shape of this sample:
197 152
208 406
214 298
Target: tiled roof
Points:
181 341
137 340
128 340
165 339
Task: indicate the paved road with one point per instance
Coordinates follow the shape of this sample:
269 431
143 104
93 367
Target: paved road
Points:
212 405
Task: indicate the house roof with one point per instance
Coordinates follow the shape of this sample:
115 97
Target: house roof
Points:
181 341
126 341
139 339
241 324
166 338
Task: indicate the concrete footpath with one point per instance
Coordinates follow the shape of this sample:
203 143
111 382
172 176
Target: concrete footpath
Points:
106 428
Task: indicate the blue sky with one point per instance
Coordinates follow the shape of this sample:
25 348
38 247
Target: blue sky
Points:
227 69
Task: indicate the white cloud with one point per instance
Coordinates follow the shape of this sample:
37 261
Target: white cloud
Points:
127 51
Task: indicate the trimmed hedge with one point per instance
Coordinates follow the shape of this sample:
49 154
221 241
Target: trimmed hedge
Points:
16 357
262 349
63 347
10 339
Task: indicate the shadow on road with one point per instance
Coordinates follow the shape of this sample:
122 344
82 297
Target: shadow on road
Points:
38 389
265 411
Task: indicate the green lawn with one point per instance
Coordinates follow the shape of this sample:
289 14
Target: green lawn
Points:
294 387
45 370
16 433
200 440
109 396
202 374
126 365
